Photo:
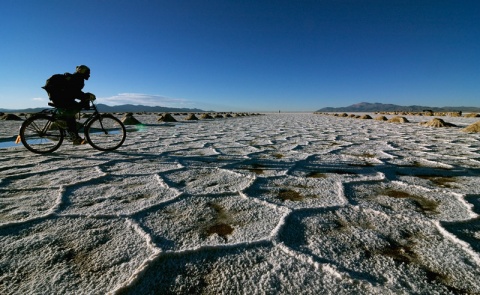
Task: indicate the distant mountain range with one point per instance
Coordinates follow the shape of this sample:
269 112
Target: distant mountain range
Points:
380 107
118 109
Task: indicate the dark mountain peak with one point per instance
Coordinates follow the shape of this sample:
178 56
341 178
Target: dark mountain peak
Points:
381 107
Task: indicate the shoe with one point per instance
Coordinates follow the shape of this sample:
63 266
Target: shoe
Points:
79 141
76 139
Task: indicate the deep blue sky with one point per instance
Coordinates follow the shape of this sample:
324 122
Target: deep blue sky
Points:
245 55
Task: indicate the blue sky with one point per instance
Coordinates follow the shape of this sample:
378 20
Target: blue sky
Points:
245 55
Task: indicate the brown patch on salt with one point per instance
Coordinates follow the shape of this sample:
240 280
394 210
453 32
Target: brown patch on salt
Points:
405 253
220 226
291 195
221 229
314 174
443 181
425 205
400 253
256 168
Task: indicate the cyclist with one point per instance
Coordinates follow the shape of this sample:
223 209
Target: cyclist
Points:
65 101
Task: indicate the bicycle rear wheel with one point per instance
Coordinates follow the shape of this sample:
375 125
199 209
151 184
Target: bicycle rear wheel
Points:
105 132
39 134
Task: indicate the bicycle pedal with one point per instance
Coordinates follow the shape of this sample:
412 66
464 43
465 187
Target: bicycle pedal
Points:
18 140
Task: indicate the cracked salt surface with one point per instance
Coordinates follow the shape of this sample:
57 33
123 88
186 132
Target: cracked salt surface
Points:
281 203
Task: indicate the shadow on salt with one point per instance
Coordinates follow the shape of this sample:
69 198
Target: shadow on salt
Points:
146 127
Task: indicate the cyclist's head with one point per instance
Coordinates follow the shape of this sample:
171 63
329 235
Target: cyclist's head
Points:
84 71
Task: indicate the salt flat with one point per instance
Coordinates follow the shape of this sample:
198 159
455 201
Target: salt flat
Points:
279 203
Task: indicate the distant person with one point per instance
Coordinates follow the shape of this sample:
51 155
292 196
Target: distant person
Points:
64 91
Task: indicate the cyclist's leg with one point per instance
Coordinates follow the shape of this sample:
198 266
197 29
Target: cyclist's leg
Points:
68 115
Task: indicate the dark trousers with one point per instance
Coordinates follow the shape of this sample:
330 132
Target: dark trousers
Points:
68 109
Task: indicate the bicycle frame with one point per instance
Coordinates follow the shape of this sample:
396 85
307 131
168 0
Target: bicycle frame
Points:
55 114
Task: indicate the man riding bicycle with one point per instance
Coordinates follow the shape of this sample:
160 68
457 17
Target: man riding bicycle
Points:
64 97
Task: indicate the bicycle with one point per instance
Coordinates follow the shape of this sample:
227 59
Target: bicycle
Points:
41 134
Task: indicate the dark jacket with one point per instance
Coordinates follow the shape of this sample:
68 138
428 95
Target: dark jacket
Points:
73 90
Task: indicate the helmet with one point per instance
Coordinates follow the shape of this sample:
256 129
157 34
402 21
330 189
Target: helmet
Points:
83 70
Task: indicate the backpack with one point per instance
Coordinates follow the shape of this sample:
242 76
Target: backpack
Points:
56 85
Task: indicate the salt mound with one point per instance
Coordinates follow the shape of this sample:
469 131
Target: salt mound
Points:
455 114
365 117
398 119
191 117
10 117
381 118
475 127
437 122
206 116
166 118
129 119
472 115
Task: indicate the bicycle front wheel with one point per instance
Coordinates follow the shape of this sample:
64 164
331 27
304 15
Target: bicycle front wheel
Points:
105 133
39 134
